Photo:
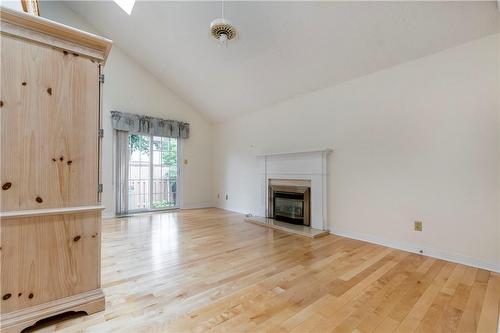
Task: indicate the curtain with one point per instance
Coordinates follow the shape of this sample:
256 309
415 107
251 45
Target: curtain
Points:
149 126
122 160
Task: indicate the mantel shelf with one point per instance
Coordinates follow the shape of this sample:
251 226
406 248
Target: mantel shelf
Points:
327 150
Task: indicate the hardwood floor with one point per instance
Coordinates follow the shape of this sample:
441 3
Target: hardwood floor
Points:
208 270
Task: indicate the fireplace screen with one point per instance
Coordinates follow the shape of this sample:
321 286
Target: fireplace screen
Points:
290 204
289 208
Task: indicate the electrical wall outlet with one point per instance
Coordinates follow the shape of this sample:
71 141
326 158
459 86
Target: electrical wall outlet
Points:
227 197
418 225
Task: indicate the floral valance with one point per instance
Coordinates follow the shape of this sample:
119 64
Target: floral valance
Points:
148 125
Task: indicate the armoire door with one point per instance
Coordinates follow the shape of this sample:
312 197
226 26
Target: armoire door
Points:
50 119
45 258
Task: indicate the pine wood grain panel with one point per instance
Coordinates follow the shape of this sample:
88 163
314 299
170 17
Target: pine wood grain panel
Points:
47 258
49 127
208 270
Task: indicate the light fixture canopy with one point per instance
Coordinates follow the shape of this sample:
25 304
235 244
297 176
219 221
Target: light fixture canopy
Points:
221 29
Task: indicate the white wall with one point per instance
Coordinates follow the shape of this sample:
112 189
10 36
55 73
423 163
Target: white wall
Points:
419 141
16 5
498 156
130 88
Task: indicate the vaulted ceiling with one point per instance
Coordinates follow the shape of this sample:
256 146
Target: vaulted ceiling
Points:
284 49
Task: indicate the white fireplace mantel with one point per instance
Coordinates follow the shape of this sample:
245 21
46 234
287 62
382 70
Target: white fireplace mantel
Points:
320 151
304 165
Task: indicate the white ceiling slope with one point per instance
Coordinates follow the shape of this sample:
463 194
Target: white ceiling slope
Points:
284 49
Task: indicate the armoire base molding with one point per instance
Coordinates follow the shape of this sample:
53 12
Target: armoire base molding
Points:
89 302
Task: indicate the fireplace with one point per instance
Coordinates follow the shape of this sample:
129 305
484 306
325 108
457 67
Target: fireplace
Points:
290 201
305 170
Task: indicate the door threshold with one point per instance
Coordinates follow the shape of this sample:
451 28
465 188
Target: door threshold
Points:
166 210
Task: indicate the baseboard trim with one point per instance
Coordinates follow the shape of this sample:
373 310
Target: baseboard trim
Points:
89 302
198 205
187 206
430 252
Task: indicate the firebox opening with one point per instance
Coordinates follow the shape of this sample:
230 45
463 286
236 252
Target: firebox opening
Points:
289 207
288 202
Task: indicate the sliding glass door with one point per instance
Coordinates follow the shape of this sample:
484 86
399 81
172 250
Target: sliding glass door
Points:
153 173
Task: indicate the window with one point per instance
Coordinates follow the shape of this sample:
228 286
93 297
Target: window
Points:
126 5
153 173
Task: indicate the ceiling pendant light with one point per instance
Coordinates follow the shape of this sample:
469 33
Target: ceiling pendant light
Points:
221 29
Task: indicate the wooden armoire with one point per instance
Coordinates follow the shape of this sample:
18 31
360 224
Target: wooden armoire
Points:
50 220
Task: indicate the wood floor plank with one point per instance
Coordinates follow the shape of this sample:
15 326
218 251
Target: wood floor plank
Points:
359 268
472 312
488 320
208 270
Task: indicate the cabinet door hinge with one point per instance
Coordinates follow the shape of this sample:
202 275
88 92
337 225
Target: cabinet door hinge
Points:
99 188
101 133
101 78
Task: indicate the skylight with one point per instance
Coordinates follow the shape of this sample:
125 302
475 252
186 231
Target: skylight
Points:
126 5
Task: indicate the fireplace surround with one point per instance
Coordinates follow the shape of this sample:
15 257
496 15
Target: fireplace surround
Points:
302 169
